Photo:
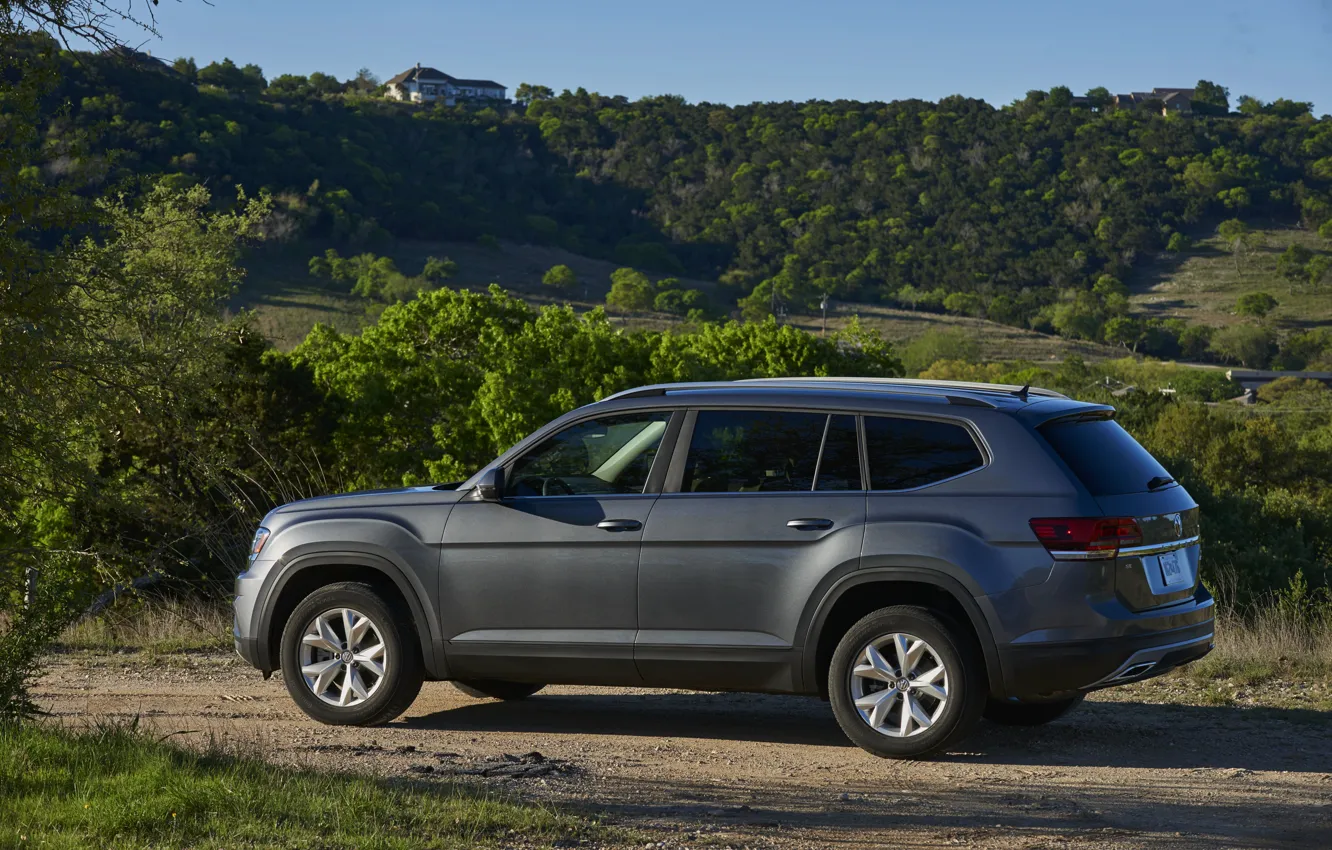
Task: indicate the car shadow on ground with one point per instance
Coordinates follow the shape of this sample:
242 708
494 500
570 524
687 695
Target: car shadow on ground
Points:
1110 734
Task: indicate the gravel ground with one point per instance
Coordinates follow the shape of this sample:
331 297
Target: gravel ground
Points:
1133 767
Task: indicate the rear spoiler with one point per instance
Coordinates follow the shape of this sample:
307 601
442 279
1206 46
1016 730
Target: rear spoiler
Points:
1046 411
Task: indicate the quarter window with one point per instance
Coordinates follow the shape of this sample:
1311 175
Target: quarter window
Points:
906 453
606 456
752 451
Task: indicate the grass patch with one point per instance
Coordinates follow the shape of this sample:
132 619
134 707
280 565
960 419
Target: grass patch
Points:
1267 643
114 786
1202 284
154 625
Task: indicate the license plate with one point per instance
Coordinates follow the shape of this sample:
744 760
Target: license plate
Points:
1172 571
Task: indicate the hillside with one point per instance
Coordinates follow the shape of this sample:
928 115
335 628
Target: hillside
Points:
287 301
1202 284
1015 212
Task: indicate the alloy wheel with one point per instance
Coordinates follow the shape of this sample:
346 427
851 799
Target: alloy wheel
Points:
899 685
343 657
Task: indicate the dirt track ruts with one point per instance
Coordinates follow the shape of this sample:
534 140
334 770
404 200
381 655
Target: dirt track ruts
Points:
693 769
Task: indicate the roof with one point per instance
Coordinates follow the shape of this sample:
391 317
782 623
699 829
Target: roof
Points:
421 73
479 84
905 389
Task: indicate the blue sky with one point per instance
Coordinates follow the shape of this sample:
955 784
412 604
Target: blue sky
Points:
738 51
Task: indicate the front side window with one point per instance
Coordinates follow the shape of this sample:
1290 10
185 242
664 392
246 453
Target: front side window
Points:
753 451
606 456
907 453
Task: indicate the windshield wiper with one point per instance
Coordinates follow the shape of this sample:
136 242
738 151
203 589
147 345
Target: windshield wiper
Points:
1159 481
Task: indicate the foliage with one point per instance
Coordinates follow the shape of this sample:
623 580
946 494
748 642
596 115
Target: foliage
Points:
1255 304
933 346
442 384
1248 345
561 277
630 290
787 201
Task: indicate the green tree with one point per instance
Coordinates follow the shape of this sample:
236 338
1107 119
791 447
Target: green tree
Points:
438 269
1125 331
1195 341
1318 269
1292 264
1255 304
630 290
527 93
1178 244
1210 98
561 277
934 346
964 303
1238 238
1100 98
1249 345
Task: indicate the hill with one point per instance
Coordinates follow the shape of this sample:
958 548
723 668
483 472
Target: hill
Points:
1014 212
287 301
1202 284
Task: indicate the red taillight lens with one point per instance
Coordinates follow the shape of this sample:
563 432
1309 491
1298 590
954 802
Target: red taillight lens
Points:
1083 538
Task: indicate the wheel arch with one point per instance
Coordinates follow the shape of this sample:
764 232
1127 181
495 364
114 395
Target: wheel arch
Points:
294 579
866 590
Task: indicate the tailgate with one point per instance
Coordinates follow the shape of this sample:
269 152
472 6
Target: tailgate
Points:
1127 481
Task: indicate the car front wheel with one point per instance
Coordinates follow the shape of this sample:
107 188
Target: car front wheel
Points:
349 658
905 682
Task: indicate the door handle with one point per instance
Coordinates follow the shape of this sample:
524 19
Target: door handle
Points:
810 524
619 525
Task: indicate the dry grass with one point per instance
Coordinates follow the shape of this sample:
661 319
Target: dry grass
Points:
1268 643
1202 285
154 625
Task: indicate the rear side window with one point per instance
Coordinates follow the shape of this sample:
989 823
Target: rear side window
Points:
1107 460
753 451
906 453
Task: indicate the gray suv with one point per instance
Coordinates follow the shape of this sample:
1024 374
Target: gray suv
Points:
920 554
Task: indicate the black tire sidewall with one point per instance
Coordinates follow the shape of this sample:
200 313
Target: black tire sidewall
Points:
404 668
967 690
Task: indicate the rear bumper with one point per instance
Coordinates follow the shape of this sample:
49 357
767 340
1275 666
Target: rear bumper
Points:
1053 669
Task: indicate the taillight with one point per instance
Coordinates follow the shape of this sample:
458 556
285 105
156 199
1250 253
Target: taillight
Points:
1086 538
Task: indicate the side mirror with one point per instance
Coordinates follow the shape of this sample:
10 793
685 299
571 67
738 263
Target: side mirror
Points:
491 486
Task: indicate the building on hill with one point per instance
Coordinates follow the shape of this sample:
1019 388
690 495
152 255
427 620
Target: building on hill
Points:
429 85
1167 100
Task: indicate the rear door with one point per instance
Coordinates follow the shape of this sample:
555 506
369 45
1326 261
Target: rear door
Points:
759 505
1127 481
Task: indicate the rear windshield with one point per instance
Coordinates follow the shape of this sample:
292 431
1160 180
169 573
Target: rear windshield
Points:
1103 455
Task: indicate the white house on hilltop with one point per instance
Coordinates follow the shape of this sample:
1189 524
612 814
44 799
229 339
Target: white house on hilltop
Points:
428 85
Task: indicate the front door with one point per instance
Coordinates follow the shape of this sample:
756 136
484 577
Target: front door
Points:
765 504
542 585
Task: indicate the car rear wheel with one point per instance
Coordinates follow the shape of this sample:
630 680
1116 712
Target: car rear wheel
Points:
348 657
495 689
1010 713
905 682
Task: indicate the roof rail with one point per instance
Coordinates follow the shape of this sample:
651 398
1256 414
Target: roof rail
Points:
920 388
972 386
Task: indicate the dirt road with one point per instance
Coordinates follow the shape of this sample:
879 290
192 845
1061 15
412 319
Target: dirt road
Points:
717 770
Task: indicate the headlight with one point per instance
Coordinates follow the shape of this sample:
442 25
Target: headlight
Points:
257 546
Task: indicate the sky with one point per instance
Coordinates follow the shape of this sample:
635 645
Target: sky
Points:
740 51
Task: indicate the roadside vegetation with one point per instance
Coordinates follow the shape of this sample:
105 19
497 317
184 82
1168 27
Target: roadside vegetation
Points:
119 786
147 431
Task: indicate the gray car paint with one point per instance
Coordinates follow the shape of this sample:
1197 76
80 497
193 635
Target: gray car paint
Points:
714 591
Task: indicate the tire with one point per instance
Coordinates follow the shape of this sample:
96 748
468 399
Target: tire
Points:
381 697
945 645
495 689
1009 713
